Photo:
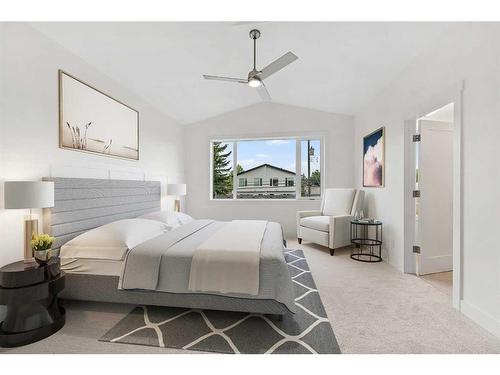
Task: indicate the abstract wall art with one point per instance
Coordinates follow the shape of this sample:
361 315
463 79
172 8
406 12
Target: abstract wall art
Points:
374 159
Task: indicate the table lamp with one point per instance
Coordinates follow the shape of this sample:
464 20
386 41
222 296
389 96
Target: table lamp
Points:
177 190
28 195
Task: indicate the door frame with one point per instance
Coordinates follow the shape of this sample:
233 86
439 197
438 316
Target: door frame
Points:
453 94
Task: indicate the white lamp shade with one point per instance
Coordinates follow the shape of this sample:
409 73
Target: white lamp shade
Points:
176 189
28 194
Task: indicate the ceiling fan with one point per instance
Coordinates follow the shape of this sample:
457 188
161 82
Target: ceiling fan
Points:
256 77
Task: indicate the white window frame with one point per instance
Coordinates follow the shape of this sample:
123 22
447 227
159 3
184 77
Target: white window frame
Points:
297 184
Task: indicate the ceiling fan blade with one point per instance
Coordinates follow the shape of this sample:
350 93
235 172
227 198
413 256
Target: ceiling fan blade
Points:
278 64
227 79
263 93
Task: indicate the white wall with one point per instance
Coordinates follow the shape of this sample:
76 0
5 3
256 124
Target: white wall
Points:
29 141
469 52
261 120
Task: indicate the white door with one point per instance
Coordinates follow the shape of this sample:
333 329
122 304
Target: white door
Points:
434 213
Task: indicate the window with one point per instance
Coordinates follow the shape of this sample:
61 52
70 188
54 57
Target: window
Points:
222 170
310 175
266 169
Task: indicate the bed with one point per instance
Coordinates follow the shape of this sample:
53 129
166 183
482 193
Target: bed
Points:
84 204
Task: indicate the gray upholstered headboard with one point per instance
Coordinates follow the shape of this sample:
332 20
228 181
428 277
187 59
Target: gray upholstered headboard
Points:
82 204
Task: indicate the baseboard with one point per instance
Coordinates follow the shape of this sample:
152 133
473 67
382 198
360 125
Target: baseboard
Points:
485 320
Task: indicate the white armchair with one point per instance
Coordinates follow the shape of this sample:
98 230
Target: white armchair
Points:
330 226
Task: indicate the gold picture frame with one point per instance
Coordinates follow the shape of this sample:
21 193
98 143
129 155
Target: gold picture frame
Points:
93 109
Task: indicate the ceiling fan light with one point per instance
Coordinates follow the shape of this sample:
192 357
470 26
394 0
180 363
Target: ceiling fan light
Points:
254 82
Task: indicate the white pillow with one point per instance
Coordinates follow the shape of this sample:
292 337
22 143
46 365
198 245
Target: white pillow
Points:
183 218
165 217
173 219
111 241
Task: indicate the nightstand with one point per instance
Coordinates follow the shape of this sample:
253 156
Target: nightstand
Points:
29 290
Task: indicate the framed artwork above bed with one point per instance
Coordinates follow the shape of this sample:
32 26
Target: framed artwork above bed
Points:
92 121
374 159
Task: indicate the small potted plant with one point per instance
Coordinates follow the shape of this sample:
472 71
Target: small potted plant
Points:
41 244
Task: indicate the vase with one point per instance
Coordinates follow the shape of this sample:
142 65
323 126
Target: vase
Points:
43 256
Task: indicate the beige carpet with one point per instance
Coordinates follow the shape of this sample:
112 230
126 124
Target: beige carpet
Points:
376 309
373 309
442 281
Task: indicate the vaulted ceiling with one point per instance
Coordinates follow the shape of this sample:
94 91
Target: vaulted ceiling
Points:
342 66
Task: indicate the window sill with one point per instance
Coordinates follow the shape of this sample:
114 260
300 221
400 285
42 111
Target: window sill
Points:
300 200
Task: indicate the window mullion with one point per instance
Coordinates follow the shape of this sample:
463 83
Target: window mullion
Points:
297 169
322 166
235 172
211 192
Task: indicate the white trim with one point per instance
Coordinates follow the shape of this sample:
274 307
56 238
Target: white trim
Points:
268 201
409 201
482 318
322 166
458 197
270 137
453 94
211 166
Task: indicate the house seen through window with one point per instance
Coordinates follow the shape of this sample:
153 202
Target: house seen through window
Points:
266 169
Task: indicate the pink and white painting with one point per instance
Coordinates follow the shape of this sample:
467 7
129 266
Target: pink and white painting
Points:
373 159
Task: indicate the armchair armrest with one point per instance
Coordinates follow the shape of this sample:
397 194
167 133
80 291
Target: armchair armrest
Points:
339 233
346 217
302 214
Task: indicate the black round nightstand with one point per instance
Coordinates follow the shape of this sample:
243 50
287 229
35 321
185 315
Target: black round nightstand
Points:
366 236
30 292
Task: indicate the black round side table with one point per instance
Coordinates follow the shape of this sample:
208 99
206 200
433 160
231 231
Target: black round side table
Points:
30 292
366 236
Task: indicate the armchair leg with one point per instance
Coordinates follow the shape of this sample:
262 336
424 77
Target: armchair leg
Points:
332 251
300 240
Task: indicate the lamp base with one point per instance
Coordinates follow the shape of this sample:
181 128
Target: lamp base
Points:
177 206
30 228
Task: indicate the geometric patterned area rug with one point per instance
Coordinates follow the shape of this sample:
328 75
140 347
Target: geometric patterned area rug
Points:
306 331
